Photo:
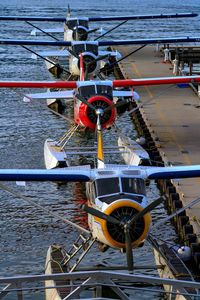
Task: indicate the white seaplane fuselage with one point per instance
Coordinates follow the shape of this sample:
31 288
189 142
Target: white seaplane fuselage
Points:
121 197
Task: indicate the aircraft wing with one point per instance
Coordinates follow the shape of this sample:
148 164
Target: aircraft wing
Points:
174 40
49 30
142 17
94 19
155 81
172 172
116 83
51 95
119 94
58 53
84 174
76 174
38 84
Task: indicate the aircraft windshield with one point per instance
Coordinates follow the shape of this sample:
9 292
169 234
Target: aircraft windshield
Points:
87 90
133 186
73 23
91 90
107 186
85 47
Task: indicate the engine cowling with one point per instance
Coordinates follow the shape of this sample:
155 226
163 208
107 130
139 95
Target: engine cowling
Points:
88 117
89 62
113 234
80 33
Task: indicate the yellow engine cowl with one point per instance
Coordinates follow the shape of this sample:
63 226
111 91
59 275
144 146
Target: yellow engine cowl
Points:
113 234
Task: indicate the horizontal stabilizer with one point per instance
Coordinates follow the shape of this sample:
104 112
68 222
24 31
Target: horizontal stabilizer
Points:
34 32
110 53
51 95
119 94
58 53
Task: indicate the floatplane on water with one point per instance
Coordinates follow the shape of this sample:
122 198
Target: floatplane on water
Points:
119 216
96 62
88 98
77 28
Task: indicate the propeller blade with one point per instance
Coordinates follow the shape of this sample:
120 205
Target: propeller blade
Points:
99 214
86 102
101 57
93 30
115 105
93 61
73 53
129 252
147 209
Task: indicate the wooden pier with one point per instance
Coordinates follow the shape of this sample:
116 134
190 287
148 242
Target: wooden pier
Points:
172 116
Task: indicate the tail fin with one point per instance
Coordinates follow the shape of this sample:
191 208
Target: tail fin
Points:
68 11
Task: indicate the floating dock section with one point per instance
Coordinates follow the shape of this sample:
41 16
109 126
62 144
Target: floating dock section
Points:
170 120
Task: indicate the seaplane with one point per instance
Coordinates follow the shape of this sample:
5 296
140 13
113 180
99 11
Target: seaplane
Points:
89 97
77 28
90 51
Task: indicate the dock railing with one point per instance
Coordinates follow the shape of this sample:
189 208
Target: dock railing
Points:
77 282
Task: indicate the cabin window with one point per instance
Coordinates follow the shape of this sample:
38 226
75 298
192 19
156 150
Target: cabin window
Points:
104 89
133 186
107 186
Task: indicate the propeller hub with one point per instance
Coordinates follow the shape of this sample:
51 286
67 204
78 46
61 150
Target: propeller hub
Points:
99 112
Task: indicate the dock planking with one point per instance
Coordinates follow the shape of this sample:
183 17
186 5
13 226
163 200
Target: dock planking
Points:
172 113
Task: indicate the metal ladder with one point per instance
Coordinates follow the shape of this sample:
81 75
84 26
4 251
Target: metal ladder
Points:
82 243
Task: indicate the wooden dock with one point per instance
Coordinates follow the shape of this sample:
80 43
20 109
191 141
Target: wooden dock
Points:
172 115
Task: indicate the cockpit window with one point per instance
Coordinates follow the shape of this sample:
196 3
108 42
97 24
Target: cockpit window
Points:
104 89
92 48
87 90
107 186
85 47
133 186
74 22
92 90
